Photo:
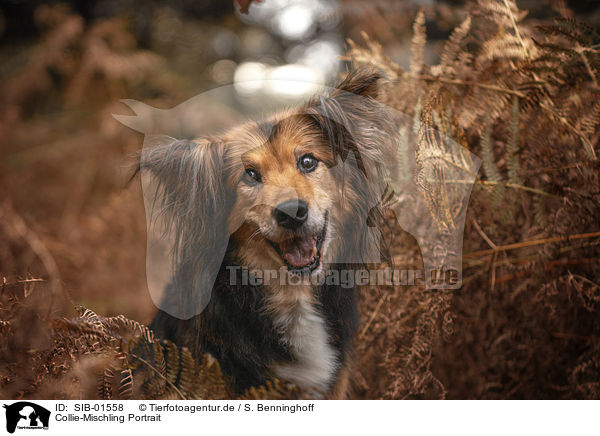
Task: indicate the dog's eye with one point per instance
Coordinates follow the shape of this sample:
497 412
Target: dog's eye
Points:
307 163
251 177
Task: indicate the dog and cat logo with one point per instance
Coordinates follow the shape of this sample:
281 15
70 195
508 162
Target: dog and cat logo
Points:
428 192
26 415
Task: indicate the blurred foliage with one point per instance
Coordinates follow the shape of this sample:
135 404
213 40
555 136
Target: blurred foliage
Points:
519 91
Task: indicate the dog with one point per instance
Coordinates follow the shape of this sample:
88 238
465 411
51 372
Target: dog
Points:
292 197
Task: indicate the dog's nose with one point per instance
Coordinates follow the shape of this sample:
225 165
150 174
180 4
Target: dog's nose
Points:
291 214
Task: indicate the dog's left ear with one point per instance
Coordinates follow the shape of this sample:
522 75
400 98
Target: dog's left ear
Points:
361 132
365 81
353 121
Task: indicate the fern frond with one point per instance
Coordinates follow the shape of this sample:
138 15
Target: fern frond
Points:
126 384
105 391
373 54
188 371
453 46
489 161
572 30
507 46
589 122
489 165
504 13
539 212
418 44
173 361
512 147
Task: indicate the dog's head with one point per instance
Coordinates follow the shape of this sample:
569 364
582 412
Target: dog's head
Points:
299 190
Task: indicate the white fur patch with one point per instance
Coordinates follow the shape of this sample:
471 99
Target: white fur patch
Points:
304 330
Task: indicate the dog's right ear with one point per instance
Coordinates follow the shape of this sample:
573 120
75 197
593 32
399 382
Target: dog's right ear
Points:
187 171
189 196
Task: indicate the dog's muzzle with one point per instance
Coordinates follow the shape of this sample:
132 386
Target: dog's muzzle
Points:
302 253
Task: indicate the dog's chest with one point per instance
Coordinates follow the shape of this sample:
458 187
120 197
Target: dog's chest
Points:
303 329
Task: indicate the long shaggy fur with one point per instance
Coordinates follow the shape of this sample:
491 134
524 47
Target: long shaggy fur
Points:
301 333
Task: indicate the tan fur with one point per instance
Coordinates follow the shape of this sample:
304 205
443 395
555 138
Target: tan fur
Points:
276 160
292 306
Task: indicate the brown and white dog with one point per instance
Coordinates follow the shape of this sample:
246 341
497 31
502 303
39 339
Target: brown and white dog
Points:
296 195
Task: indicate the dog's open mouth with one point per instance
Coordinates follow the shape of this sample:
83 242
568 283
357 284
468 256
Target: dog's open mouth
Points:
301 253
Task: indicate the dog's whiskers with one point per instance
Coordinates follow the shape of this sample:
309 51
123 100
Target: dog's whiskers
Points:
256 232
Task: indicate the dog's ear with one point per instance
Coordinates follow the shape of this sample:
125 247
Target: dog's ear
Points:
361 132
365 81
353 120
188 195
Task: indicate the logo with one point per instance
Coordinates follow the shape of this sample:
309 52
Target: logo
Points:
26 415
426 186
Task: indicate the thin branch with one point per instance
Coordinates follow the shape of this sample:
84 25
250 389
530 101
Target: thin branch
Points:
534 242
372 317
522 260
517 186
471 83
547 265
483 235
565 167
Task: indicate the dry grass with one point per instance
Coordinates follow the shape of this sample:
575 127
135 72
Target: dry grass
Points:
524 324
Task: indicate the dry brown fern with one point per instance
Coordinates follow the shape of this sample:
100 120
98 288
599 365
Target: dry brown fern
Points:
524 98
109 358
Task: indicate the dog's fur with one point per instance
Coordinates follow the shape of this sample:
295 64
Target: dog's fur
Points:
298 333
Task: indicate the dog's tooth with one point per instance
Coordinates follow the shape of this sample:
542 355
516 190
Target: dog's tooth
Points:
314 252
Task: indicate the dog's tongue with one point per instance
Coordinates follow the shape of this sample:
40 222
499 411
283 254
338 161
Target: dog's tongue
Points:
299 252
